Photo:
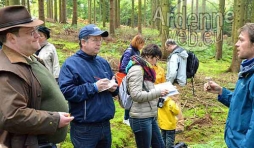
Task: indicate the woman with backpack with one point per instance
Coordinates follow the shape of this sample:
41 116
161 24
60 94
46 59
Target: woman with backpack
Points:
136 45
143 112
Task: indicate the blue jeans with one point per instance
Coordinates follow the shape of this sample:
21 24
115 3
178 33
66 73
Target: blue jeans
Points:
126 114
168 137
147 132
92 135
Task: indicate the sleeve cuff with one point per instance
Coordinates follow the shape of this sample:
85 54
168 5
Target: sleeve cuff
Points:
95 87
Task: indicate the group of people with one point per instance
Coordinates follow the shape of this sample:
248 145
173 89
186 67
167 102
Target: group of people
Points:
34 112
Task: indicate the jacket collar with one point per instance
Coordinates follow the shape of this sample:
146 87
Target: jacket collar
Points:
177 49
246 68
84 55
135 49
14 56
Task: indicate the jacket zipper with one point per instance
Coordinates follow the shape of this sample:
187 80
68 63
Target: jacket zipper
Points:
85 110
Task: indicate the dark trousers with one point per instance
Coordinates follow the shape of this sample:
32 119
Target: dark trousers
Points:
92 135
168 137
147 133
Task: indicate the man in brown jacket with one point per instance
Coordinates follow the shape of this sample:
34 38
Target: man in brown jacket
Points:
32 107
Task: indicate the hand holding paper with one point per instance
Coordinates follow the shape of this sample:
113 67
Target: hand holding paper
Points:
167 85
112 85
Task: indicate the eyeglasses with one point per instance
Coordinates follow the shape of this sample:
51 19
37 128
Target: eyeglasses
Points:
32 33
96 40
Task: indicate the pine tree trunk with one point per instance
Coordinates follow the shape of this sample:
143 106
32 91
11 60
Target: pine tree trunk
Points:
238 22
219 35
41 10
14 2
139 16
111 18
74 13
165 28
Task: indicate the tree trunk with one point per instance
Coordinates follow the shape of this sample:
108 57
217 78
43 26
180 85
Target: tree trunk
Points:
196 7
89 11
94 11
139 16
14 2
55 11
252 11
7 3
144 20
48 8
203 24
192 6
104 14
116 13
153 8
52 10
74 13
64 18
28 6
132 14
158 23
179 2
164 27
23 2
111 19
60 11
238 22
219 35
41 10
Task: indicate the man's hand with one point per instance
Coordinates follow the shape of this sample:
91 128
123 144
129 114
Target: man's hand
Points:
213 87
114 86
102 84
65 119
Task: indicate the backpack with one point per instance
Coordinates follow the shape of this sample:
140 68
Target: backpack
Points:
121 59
191 67
124 97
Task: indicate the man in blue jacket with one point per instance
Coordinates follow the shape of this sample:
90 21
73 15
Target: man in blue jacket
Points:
239 130
88 84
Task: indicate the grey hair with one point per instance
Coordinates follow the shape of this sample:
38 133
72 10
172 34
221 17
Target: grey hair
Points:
170 42
85 39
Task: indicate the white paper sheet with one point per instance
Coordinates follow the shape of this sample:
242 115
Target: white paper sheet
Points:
167 85
110 84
